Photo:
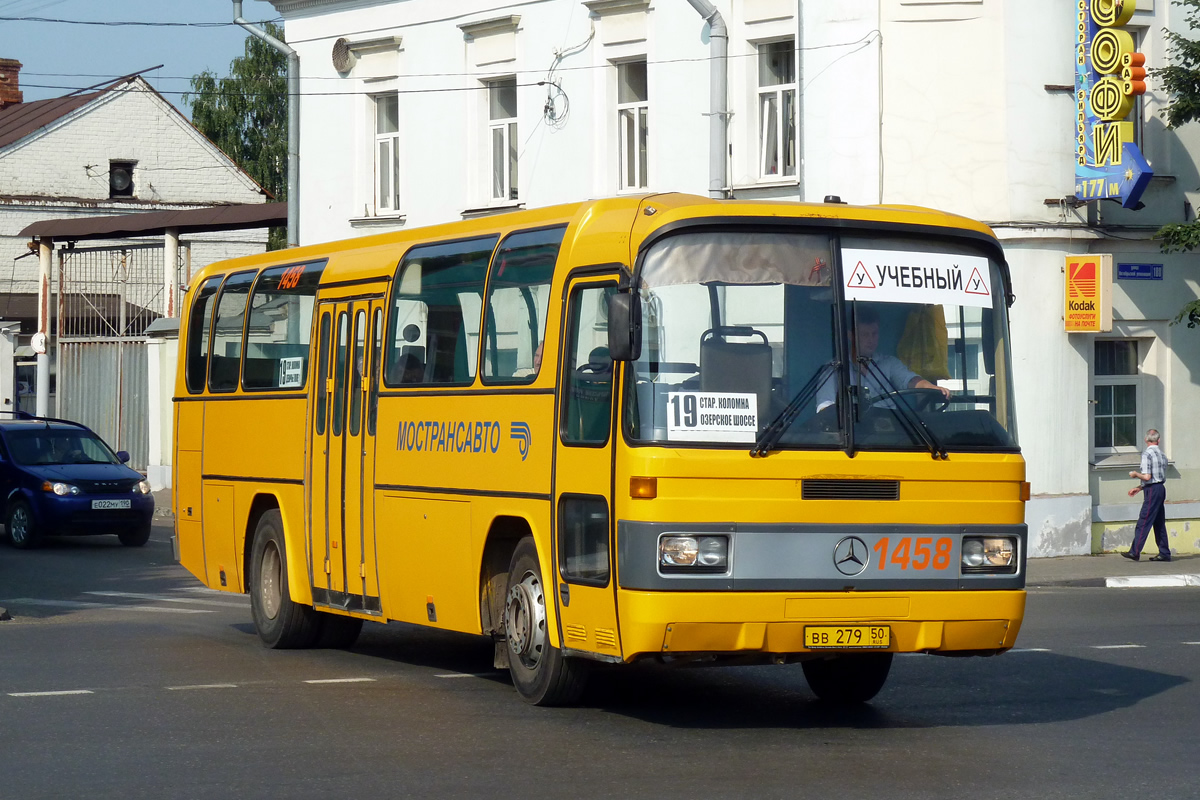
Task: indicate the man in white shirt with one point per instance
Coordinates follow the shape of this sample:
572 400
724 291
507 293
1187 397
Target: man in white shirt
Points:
1154 494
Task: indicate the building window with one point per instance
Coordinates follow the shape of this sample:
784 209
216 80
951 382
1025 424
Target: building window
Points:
387 153
633 109
120 178
1116 391
777 109
502 133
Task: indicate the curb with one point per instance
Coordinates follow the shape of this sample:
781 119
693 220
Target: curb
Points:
1149 581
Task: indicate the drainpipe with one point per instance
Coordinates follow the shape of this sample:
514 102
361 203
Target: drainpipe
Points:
718 133
293 84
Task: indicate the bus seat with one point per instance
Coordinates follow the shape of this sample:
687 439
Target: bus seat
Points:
741 367
591 397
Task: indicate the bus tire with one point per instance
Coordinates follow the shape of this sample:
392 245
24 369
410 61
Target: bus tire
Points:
281 622
338 632
848 678
542 675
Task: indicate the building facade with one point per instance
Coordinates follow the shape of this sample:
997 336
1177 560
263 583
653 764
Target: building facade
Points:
416 112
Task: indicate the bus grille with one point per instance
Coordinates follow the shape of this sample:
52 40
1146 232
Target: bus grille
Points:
837 489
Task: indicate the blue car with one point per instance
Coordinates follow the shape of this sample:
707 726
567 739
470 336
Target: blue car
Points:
59 478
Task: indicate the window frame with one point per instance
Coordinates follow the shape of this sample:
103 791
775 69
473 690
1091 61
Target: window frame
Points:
390 140
1137 380
317 266
204 330
633 157
506 190
212 337
778 92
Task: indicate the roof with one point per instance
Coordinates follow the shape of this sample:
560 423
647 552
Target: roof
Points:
217 218
21 119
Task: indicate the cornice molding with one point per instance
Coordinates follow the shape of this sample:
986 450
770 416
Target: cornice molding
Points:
493 25
603 7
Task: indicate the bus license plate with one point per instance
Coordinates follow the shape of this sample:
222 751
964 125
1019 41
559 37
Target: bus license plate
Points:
841 637
98 504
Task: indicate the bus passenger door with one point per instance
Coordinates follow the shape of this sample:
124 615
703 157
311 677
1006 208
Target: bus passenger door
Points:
584 534
343 447
358 530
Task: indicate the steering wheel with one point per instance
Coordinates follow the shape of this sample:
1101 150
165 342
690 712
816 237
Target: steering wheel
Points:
918 399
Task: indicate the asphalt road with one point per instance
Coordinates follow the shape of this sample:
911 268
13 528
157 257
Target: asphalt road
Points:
121 677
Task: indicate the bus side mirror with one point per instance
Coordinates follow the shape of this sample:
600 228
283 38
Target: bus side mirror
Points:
624 327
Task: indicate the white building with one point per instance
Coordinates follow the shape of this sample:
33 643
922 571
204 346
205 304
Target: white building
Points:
421 111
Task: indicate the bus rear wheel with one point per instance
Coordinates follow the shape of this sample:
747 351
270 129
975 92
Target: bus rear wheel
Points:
541 673
281 623
849 678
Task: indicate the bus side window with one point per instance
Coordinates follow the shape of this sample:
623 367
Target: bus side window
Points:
196 368
277 337
227 332
435 313
518 295
588 375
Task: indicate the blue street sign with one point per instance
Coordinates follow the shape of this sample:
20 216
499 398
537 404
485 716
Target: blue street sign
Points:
1139 272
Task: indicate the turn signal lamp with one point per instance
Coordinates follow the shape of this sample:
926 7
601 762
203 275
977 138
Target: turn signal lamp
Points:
1024 491
643 488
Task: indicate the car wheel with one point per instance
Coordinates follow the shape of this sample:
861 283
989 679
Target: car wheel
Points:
136 537
22 531
541 673
281 622
854 678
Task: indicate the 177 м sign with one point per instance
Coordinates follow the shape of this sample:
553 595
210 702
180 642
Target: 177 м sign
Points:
1108 76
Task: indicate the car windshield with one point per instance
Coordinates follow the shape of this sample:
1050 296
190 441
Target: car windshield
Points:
46 446
740 344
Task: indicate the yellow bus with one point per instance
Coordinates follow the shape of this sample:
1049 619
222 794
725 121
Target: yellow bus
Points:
657 427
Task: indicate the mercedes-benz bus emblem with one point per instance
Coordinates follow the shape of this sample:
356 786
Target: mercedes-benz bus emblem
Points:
851 555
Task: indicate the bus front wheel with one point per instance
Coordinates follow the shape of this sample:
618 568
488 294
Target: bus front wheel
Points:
848 679
541 673
281 623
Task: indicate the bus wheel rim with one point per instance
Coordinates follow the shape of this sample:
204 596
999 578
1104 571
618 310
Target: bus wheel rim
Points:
271 581
525 620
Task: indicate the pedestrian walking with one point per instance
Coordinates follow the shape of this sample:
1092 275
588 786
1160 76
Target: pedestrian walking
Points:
1154 494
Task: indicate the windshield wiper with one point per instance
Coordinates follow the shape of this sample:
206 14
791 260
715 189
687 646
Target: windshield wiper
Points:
771 434
914 426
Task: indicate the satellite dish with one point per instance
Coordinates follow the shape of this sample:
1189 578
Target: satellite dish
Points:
343 56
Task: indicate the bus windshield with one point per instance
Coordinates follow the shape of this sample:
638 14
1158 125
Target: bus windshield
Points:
746 339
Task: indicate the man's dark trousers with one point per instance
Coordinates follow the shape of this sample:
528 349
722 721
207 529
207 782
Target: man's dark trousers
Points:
1152 514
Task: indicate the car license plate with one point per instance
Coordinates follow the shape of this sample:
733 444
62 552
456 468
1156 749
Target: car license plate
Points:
99 504
843 637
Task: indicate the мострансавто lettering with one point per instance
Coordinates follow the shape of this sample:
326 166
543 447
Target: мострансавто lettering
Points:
449 437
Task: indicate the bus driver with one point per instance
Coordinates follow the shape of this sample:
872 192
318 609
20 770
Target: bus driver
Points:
866 337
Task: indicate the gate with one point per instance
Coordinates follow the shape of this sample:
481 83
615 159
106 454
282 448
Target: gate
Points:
106 299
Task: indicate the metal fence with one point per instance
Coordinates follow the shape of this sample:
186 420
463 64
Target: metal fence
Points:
106 298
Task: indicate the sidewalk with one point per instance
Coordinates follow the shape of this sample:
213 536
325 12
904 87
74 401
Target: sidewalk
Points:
1112 570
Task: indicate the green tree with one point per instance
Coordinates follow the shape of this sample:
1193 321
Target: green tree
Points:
245 115
1181 81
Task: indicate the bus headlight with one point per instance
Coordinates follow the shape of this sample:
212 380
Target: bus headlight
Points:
693 553
989 554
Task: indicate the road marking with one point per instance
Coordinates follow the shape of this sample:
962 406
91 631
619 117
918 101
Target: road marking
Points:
33 601
138 596
50 694
343 680
1117 646
1191 642
203 686
1030 650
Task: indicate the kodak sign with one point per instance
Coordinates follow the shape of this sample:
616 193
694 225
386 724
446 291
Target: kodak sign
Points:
1088 293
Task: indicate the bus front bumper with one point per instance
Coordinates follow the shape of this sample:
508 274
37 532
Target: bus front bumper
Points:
974 622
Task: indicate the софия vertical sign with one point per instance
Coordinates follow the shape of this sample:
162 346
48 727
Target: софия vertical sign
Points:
1108 76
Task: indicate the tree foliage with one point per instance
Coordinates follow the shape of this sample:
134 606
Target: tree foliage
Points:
1181 81
245 114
